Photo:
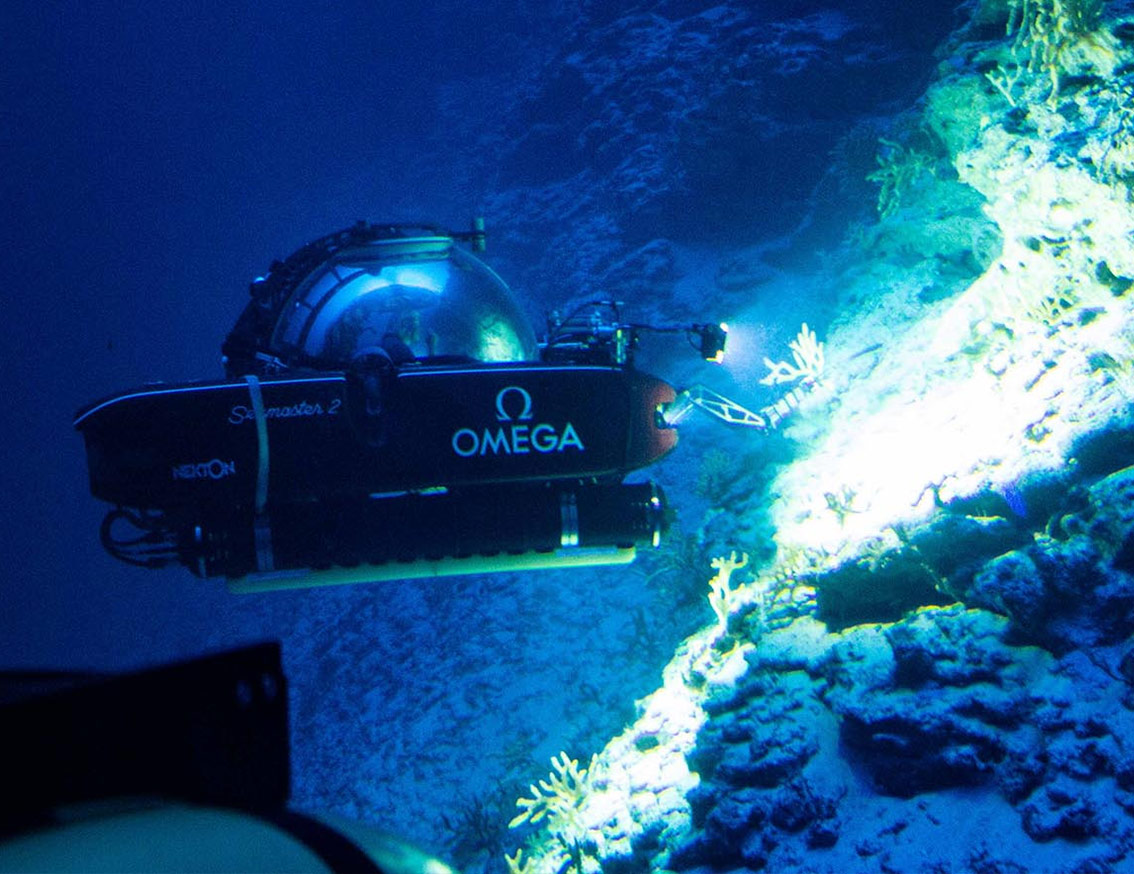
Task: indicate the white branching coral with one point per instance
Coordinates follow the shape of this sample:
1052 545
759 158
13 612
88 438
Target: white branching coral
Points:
721 593
558 797
1004 80
807 352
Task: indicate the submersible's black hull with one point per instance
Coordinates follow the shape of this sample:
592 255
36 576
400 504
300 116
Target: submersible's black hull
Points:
456 468
336 434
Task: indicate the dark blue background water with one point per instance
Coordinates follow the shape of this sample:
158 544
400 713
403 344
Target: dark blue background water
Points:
156 158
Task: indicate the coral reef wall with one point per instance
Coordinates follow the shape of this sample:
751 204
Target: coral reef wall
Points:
927 666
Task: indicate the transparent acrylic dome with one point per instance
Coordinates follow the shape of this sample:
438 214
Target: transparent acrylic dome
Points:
413 298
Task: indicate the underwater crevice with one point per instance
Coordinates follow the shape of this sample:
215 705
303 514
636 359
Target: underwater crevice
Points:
941 561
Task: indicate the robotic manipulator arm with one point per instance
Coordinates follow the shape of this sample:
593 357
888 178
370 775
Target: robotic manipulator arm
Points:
803 374
586 334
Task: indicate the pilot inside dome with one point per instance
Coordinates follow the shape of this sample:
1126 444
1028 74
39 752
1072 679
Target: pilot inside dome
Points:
406 300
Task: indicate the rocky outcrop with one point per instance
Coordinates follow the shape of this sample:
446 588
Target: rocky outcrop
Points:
1072 587
940 707
877 747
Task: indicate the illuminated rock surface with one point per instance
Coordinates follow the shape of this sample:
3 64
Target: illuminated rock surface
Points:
970 442
956 737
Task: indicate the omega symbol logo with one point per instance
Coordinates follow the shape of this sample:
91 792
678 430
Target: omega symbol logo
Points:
524 400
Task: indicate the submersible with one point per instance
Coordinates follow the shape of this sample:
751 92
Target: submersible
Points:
387 412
